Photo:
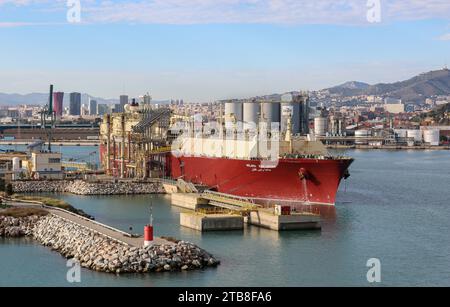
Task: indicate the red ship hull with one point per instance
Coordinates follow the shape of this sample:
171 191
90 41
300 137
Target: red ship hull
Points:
292 180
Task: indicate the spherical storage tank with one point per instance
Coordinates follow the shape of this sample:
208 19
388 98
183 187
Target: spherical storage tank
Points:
415 134
320 126
431 136
290 108
252 110
270 112
361 134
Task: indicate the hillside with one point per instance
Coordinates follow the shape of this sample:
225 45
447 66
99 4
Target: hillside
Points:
440 114
416 89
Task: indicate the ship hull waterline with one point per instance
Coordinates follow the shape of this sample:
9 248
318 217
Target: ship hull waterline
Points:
291 181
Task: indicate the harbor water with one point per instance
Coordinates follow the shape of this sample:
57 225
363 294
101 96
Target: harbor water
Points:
395 207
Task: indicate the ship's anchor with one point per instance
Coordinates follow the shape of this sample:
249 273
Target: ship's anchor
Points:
346 174
303 174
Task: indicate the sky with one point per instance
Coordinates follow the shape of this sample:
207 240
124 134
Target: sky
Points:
204 50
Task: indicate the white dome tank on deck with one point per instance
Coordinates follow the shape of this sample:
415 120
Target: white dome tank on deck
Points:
233 112
252 110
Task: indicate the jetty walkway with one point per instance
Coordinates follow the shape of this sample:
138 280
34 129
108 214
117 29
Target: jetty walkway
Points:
102 229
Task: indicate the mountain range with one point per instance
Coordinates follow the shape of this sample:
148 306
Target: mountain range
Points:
416 89
41 99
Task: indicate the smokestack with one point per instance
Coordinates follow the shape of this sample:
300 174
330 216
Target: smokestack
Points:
50 101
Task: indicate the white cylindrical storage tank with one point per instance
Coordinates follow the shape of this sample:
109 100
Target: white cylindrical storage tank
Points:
251 114
233 112
270 112
415 134
16 164
320 126
362 135
431 136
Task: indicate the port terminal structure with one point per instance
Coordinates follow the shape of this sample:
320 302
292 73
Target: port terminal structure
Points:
212 211
137 144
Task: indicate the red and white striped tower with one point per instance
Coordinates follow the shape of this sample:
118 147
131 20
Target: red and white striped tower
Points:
148 230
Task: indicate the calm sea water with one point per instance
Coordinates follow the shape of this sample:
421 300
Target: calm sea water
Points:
394 207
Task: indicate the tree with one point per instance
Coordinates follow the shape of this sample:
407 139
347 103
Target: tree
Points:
2 184
9 189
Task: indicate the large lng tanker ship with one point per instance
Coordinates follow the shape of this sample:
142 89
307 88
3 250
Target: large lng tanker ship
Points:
304 172
284 167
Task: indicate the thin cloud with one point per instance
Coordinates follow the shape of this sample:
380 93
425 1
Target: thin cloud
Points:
262 11
15 24
445 37
28 24
22 2
247 11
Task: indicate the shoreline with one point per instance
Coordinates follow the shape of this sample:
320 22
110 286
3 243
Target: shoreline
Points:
98 252
391 148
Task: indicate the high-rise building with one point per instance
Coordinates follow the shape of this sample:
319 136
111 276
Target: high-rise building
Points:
145 102
102 109
118 108
58 103
93 107
147 99
123 100
75 104
304 114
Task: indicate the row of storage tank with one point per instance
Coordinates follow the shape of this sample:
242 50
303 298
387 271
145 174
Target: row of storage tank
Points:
295 107
324 126
426 136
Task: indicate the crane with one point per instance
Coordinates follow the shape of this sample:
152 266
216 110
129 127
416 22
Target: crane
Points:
48 118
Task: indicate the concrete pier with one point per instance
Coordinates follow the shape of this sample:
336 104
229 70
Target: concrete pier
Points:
170 188
267 219
211 222
190 201
94 226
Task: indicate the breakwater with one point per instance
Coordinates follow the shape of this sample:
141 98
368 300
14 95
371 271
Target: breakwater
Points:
81 187
15 227
97 252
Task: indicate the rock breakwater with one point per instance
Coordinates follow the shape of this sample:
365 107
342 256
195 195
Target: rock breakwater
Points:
80 187
15 227
100 253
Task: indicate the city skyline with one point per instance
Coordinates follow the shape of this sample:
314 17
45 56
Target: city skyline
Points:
220 55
